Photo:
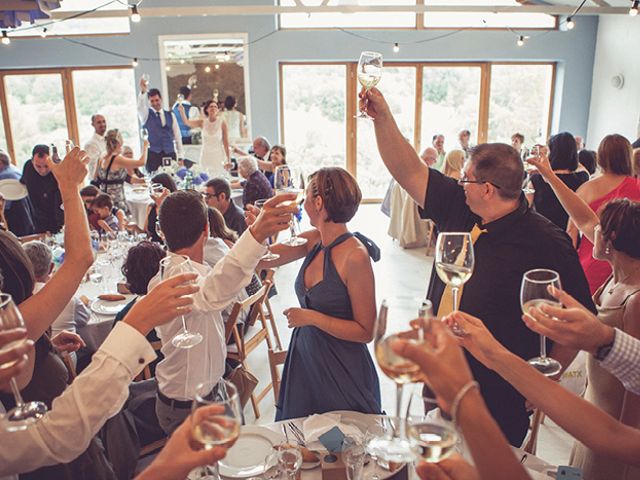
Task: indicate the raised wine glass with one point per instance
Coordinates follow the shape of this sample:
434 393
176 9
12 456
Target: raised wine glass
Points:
216 416
369 74
170 266
269 256
533 293
23 415
284 182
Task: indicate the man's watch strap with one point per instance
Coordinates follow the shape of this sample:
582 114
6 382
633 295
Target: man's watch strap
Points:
603 350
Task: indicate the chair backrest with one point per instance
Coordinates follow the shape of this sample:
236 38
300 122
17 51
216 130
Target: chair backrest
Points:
276 357
243 305
35 236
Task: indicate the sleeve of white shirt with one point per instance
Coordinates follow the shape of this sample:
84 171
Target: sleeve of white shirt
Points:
93 152
623 361
95 395
177 136
143 108
230 275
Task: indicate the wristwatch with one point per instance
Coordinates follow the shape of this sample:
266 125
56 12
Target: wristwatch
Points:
603 350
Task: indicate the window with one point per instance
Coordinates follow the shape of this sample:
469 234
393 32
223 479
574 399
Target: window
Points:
399 87
314 115
36 111
520 102
450 103
3 138
118 107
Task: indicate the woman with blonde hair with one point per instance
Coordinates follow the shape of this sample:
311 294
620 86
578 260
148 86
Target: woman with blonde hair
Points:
453 163
114 167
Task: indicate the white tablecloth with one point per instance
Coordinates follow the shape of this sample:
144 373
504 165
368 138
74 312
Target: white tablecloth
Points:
137 203
405 224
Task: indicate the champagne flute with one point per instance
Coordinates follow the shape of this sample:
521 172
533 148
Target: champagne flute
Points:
269 256
216 416
394 446
533 293
369 73
146 77
284 183
23 415
174 265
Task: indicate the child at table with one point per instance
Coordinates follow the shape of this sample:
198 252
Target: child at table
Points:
107 221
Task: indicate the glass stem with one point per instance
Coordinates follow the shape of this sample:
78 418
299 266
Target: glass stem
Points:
184 324
543 347
216 471
16 392
454 291
399 392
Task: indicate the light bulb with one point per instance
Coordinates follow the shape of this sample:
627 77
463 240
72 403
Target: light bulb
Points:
570 24
134 63
396 48
43 33
520 41
633 11
168 68
182 61
217 67
135 15
207 69
5 38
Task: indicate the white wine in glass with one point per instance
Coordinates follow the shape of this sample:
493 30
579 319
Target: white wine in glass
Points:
435 439
269 256
534 293
369 73
284 183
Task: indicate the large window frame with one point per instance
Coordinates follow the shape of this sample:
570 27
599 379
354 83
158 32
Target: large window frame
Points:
352 87
66 75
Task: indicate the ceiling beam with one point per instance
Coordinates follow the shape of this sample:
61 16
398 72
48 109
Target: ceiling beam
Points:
601 3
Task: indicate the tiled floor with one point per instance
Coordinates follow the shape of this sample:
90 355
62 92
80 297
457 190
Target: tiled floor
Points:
399 273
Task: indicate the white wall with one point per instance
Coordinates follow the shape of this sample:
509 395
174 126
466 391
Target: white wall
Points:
613 110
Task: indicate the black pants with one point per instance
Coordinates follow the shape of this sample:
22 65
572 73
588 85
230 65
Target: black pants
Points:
154 160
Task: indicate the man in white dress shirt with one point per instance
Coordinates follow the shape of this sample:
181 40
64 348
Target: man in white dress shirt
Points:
96 147
184 224
162 125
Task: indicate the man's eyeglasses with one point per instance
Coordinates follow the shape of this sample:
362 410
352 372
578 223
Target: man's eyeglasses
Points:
208 196
465 179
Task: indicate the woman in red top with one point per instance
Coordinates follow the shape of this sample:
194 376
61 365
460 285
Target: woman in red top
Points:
616 181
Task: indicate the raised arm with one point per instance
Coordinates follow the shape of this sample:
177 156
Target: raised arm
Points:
398 155
290 254
581 214
125 162
143 103
191 123
225 140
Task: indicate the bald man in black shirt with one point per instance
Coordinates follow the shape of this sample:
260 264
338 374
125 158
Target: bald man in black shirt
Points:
516 239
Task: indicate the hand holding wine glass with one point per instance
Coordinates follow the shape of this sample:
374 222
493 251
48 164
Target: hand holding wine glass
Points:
284 183
369 74
14 348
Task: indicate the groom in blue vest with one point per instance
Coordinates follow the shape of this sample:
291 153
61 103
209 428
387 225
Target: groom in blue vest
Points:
165 140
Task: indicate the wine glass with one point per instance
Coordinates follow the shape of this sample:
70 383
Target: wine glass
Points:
146 77
354 456
180 98
369 73
533 293
269 256
144 134
394 446
23 415
174 265
289 461
284 183
216 416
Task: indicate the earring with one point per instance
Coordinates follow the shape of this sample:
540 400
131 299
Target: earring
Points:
607 250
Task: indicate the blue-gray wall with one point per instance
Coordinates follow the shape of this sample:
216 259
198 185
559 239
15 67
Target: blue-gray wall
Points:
574 52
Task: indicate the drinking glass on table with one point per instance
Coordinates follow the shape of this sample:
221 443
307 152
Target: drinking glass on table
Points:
284 183
170 266
354 456
23 415
369 74
216 416
533 293
289 462
269 256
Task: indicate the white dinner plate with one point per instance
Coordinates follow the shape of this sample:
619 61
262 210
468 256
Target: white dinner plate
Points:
246 457
104 307
12 189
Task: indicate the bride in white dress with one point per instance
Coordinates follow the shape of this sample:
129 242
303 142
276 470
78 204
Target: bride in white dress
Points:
214 155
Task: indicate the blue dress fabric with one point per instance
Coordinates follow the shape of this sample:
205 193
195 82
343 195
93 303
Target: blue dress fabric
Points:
324 373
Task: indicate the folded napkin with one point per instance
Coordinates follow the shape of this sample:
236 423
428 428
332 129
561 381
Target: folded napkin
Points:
316 425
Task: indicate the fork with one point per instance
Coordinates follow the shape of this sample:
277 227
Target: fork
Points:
297 433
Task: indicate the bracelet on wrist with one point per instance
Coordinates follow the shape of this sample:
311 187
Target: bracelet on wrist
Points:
458 398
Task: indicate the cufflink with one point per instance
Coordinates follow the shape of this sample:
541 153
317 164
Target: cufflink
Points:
141 360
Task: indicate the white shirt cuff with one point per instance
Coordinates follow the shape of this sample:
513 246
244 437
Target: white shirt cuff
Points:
129 347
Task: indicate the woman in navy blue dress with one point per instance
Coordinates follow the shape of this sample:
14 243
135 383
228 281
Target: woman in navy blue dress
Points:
328 365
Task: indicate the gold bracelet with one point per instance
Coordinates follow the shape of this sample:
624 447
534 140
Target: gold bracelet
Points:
458 398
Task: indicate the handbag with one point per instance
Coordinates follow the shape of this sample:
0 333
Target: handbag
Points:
244 381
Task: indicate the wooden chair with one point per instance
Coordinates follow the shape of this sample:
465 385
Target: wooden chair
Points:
268 313
36 236
531 444
256 333
276 358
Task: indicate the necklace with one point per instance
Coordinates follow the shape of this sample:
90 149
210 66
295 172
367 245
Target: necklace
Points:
610 291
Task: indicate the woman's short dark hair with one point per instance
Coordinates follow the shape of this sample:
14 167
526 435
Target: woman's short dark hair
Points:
339 191
229 102
141 265
206 105
614 155
587 158
620 222
563 154
166 181
16 267
183 218
218 228
282 149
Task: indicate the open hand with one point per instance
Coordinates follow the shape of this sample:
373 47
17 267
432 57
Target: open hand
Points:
72 170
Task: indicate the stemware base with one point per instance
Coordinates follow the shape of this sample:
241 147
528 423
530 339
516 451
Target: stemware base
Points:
364 116
295 241
22 416
546 365
393 449
270 257
186 339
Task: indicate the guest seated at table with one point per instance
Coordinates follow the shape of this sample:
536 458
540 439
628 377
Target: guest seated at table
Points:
76 314
453 163
170 186
277 157
217 195
335 287
256 186
184 225
102 206
564 162
112 168
17 213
